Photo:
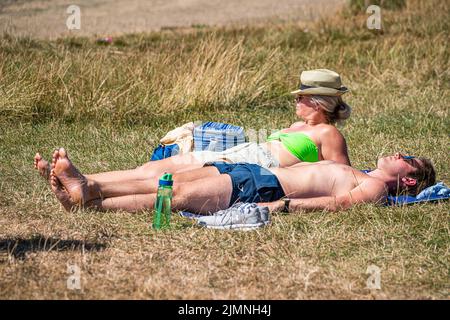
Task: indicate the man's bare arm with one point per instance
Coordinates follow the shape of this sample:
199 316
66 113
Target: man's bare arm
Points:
368 191
308 204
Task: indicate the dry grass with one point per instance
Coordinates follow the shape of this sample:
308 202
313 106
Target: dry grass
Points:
109 105
214 75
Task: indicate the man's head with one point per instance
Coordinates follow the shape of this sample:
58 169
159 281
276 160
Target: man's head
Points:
413 173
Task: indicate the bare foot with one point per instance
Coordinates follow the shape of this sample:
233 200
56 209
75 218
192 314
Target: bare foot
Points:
70 178
42 166
61 193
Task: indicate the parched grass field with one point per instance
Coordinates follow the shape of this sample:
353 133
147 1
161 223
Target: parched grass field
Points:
109 105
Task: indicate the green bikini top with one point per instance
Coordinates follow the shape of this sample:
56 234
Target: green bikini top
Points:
299 144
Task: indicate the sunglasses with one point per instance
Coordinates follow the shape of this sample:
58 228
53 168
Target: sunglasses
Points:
409 159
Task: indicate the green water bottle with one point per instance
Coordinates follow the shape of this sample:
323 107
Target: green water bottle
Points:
163 204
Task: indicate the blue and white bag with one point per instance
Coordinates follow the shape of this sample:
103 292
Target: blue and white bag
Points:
216 136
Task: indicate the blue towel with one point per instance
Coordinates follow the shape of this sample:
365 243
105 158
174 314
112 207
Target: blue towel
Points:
437 192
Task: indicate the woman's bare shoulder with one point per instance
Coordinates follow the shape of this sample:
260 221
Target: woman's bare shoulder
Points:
328 129
297 124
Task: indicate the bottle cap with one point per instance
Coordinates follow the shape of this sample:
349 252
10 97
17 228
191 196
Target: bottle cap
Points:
166 180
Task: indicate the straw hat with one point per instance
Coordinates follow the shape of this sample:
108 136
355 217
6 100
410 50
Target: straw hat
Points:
320 82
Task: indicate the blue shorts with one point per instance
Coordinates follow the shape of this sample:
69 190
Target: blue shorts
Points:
251 182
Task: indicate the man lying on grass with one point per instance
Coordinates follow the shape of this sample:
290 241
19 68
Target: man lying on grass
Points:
323 185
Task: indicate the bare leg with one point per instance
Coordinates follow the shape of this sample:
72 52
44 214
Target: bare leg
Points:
202 196
125 182
131 187
82 188
150 169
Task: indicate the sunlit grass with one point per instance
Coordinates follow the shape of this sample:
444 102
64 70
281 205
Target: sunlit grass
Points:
109 105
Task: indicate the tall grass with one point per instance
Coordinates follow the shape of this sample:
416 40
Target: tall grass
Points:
361 5
57 81
145 75
217 74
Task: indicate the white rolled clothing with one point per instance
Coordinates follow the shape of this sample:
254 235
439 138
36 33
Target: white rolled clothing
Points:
249 152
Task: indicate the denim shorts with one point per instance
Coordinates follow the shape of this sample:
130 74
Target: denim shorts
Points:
251 182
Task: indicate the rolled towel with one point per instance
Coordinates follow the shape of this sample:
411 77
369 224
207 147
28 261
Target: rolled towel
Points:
438 190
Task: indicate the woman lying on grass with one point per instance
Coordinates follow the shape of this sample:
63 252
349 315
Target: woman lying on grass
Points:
318 103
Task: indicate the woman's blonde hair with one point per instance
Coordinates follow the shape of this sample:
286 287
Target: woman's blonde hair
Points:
335 108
